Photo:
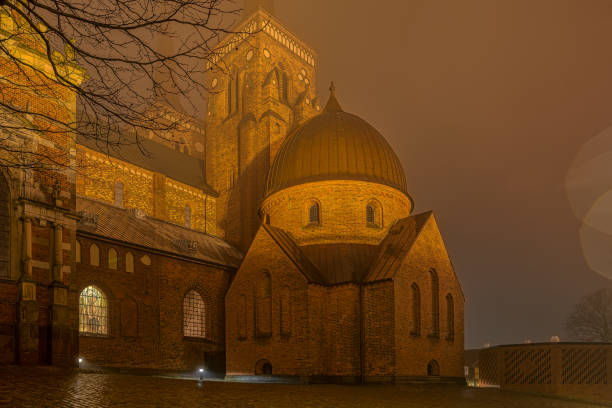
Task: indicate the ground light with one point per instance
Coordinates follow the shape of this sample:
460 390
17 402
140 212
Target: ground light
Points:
201 371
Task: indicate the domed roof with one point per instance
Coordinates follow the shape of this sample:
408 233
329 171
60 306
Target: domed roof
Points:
335 145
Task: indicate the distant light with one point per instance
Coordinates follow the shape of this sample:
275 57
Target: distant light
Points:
201 370
555 339
80 360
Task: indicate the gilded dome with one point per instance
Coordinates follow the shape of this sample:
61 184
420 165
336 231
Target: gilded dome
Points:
335 145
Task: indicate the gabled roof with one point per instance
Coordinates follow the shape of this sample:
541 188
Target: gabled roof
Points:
340 263
394 248
288 245
155 157
119 224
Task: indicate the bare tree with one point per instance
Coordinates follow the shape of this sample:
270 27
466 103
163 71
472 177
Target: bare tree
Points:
139 56
591 319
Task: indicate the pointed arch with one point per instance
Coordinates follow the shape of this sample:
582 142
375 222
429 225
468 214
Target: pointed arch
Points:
129 262
112 259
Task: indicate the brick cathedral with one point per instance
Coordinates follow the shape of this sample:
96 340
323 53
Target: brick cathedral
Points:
275 238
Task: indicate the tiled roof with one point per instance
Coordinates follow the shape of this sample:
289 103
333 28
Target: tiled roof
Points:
155 157
123 225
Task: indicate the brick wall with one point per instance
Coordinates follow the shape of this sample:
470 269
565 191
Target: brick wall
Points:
145 309
342 211
287 349
153 193
427 252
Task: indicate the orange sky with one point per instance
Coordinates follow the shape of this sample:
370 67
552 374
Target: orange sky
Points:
486 102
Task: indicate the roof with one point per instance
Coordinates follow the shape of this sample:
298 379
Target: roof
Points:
341 262
155 157
395 246
119 224
331 264
335 145
288 245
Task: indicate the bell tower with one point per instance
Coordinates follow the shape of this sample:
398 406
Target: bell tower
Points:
262 85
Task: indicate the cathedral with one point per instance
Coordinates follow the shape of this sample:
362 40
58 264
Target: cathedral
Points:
274 237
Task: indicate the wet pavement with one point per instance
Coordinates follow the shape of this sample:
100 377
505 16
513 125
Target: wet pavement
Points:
52 387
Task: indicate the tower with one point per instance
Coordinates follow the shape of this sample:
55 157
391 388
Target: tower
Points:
262 85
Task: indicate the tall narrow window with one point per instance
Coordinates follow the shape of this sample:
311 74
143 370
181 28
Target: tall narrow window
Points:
416 310
112 259
450 317
129 262
263 318
194 315
435 304
374 214
93 311
77 252
188 216
313 214
119 194
242 317
94 255
370 215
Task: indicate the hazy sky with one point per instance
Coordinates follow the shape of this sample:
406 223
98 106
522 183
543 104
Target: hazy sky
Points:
486 103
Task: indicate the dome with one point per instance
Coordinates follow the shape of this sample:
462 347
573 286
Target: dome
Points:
335 145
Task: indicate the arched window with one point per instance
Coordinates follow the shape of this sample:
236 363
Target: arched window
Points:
313 214
112 259
265 288
435 304
119 194
77 251
94 255
450 317
370 214
374 214
433 369
188 216
194 315
129 262
416 310
93 311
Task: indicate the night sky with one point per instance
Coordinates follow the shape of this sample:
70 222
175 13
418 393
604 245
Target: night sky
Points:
487 103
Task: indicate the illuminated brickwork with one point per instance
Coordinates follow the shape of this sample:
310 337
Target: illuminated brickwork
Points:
342 208
263 88
99 174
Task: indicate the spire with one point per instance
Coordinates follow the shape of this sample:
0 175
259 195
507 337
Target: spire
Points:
332 102
251 6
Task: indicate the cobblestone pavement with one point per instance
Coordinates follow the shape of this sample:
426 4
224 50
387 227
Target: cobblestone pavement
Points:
50 387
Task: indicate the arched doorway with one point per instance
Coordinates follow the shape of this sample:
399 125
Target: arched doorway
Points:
263 367
433 369
5 223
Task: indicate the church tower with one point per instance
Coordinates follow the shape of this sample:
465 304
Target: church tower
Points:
262 85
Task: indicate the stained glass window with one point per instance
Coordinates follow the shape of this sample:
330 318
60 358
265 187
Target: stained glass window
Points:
93 311
435 305
194 315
